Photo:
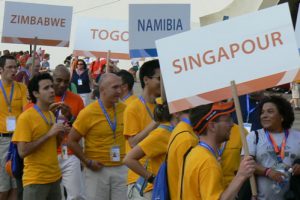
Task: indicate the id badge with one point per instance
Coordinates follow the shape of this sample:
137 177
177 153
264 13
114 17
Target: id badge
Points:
140 185
11 123
64 151
79 82
115 153
248 127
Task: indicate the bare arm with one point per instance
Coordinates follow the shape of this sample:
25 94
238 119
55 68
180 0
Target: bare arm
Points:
27 148
73 143
134 140
132 162
246 169
272 174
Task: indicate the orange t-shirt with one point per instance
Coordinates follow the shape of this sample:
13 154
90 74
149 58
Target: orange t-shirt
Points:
75 102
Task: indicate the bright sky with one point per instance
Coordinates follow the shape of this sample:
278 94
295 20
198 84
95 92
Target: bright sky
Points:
105 9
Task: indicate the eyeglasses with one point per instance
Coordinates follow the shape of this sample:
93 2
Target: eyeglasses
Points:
80 64
158 77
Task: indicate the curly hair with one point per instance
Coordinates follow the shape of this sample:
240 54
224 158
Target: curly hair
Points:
284 108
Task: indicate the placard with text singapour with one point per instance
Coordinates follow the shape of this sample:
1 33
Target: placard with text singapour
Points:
260 53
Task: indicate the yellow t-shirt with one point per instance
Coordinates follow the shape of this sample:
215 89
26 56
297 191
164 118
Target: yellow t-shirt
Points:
185 139
18 102
231 156
91 123
159 139
41 166
130 99
136 119
203 177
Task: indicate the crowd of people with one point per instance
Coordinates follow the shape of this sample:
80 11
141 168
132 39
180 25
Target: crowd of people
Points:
112 146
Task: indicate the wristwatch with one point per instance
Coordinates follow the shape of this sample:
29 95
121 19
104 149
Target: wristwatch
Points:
151 178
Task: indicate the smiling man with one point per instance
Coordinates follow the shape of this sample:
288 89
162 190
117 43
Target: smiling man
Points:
35 136
66 108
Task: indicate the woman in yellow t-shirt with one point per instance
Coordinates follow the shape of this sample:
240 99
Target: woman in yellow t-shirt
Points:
154 146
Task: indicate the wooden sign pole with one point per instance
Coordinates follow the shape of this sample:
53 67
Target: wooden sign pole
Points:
107 70
242 131
33 56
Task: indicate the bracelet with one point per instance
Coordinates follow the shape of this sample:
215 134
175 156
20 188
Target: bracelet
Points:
267 171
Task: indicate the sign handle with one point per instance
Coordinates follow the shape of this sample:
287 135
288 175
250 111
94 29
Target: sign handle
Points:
33 56
107 70
242 131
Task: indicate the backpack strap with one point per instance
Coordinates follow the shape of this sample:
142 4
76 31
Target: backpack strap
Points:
173 141
182 171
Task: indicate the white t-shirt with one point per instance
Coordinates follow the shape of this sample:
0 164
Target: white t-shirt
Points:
266 156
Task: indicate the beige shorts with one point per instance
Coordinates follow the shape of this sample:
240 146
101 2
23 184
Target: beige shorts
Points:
6 182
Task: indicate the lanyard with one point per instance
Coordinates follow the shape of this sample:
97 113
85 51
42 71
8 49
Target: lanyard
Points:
167 127
249 111
8 102
43 116
221 150
145 104
279 150
209 148
113 125
57 112
127 96
187 120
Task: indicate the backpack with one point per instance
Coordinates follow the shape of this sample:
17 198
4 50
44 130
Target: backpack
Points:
14 163
161 186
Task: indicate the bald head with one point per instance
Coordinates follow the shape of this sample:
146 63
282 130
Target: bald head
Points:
61 69
61 77
106 79
110 88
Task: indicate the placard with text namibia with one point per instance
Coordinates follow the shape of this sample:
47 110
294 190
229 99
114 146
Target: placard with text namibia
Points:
256 50
149 22
50 24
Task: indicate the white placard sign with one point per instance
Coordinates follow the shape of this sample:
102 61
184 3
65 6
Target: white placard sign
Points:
25 21
95 37
197 66
149 22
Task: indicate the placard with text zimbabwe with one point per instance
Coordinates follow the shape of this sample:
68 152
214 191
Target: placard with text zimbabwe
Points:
25 21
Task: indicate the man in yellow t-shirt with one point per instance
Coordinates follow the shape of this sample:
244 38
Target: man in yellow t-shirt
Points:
202 175
101 125
158 138
181 140
35 136
127 95
12 100
138 121
231 156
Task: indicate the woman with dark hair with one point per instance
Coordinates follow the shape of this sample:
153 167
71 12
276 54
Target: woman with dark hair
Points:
81 78
153 148
276 146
